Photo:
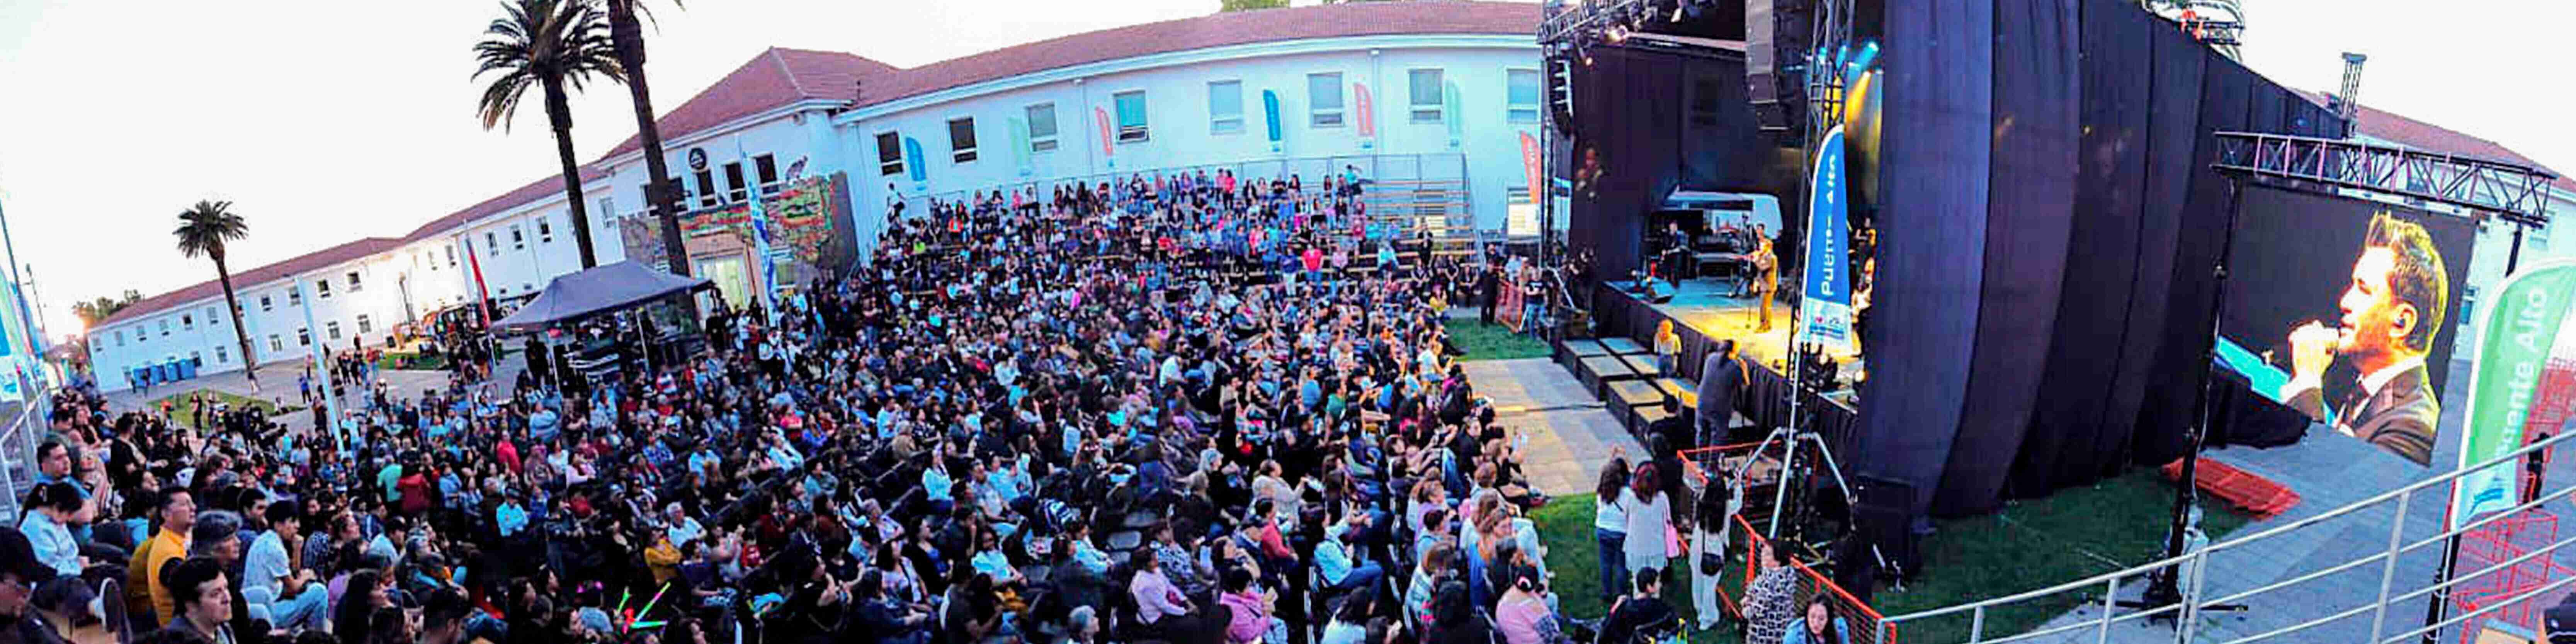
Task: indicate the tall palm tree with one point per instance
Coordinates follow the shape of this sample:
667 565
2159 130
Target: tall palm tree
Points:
547 44
627 34
207 229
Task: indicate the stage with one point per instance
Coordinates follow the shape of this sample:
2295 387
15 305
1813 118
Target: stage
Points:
1703 312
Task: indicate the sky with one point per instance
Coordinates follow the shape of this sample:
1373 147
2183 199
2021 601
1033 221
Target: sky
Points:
323 125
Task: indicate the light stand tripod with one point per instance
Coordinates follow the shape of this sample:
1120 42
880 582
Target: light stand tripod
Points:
2164 587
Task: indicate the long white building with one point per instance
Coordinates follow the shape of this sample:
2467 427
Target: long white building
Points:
1430 93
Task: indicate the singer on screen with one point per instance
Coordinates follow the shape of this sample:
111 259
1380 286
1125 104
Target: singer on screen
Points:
2392 312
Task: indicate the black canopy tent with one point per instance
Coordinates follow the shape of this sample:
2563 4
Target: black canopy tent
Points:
597 290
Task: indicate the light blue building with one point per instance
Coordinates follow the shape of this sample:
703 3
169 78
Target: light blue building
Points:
1430 98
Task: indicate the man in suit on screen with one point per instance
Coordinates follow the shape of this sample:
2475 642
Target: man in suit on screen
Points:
2392 312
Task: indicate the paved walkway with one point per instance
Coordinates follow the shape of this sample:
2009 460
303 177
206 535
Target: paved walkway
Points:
276 385
1570 433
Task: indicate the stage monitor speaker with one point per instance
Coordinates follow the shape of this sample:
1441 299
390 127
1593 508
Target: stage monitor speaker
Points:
1776 34
1885 518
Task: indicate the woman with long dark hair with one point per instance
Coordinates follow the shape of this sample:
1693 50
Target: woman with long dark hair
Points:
1610 526
1649 519
1812 629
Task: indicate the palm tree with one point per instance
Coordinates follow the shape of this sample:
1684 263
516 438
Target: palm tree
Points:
548 44
628 35
207 229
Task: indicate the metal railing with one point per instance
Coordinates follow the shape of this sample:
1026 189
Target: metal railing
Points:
18 443
2188 613
1427 166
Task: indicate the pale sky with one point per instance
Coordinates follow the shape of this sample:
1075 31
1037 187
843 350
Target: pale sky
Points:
325 124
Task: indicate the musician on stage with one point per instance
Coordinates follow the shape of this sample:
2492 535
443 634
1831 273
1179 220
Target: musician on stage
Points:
1764 278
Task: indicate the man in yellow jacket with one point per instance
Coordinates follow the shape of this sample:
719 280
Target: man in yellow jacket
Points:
175 515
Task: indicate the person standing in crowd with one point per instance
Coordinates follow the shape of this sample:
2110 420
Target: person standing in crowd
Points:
1771 601
1710 543
1722 377
1610 524
1649 519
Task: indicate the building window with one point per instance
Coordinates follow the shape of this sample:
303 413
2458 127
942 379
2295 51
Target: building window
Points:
196 358
322 288
211 318
546 228
1521 92
363 327
187 322
1426 95
733 183
1324 100
303 336
222 356
889 153
961 139
706 188
263 303
120 337
354 286
765 167
491 243
451 256
165 326
1131 115
1520 213
294 296
331 329
1042 127
518 241
1225 107
275 344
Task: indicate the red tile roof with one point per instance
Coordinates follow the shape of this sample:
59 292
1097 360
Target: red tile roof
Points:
2388 126
772 79
552 184
780 76
1216 30
255 276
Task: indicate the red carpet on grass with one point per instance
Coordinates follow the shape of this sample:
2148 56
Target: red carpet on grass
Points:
2254 494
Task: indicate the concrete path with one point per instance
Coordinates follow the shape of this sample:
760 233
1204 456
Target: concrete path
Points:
1570 433
277 384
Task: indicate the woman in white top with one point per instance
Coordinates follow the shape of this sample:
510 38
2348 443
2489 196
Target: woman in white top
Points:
1610 525
1650 518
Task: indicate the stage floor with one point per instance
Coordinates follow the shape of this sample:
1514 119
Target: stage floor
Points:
1706 306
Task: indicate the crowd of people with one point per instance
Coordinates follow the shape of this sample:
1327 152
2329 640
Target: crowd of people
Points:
1174 408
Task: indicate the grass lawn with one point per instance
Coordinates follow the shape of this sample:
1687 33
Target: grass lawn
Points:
179 404
2031 543
1492 341
412 361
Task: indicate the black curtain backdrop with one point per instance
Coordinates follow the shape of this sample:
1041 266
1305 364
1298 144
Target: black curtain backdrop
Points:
1939 114
2032 183
1634 106
2063 326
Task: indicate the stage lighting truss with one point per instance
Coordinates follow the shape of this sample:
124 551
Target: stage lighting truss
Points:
2219 23
1571 27
2517 193
1833 66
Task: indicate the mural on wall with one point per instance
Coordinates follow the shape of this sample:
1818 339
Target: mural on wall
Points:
809 234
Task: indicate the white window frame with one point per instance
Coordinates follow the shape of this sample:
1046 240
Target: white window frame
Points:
120 337
303 336
889 164
276 344
1522 112
363 325
492 243
354 284
518 238
546 227
1421 112
1223 124
1317 114
263 302
294 296
322 288
765 164
737 181
1041 144
221 355
187 322
1144 130
331 328
961 155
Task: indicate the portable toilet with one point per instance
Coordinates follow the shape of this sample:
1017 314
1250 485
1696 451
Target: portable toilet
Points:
188 369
